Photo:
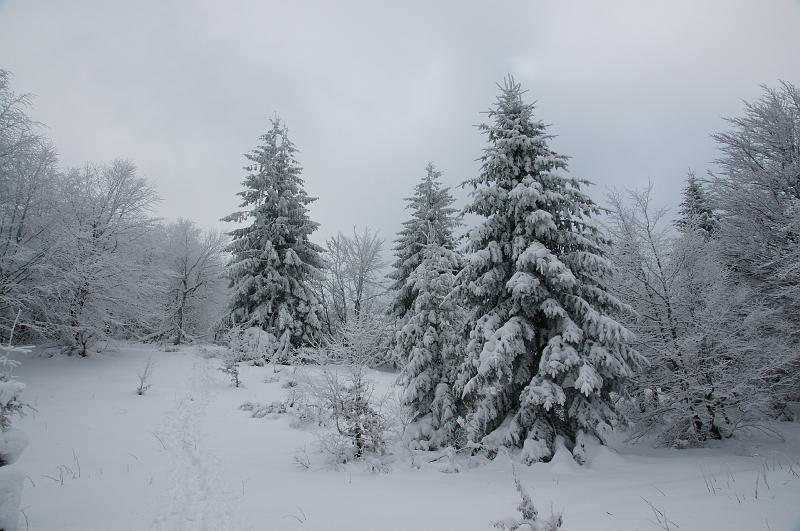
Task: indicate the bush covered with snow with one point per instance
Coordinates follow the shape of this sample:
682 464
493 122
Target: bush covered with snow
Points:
351 425
359 428
250 344
12 442
363 340
11 403
144 377
529 519
230 366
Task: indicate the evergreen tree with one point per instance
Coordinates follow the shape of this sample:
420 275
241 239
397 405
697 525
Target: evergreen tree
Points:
433 220
696 213
273 260
544 353
428 345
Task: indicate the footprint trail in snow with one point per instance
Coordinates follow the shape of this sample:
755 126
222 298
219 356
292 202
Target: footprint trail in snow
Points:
195 499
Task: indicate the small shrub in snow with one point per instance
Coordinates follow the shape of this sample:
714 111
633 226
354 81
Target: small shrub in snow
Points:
400 419
305 409
301 459
359 429
144 377
211 351
12 442
10 401
262 410
230 366
529 520
251 344
585 445
451 466
375 465
357 419
362 340
291 382
10 389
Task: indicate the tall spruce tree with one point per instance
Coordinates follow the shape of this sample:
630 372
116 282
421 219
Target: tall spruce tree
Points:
433 221
273 260
428 345
695 209
544 353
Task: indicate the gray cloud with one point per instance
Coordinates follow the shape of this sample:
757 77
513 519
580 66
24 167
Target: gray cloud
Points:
371 92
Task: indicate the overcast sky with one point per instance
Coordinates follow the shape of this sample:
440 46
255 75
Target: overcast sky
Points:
372 91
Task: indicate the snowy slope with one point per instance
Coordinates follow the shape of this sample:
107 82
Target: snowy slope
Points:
184 457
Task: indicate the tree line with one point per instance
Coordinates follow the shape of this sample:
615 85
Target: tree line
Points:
82 256
551 321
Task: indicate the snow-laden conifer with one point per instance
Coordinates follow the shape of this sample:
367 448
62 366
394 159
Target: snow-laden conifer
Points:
273 260
544 354
428 346
433 220
696 213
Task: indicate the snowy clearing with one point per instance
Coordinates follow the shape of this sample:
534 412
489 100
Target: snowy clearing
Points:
184 456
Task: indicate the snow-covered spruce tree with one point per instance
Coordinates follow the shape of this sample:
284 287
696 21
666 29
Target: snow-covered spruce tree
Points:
696 213
273 260
428 345
432 216
530 520
544 354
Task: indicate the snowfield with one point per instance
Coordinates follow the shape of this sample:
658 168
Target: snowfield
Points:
185 457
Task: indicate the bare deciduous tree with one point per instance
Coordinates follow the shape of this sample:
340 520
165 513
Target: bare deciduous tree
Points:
702 334
354 280
757 191
27 205
106 282
193 269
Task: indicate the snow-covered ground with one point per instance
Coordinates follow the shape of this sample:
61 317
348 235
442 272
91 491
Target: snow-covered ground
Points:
185 457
